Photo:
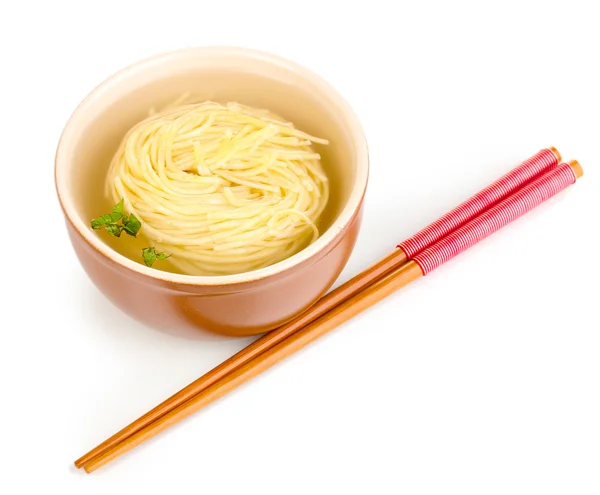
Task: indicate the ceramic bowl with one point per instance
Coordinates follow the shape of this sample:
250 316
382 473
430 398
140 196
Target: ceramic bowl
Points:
242 304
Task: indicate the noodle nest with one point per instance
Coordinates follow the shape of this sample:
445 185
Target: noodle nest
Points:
224 189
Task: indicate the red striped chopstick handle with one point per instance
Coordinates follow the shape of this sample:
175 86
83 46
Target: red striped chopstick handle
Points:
529 170
497 217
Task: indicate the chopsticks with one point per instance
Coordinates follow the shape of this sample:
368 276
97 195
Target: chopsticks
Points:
479 228
344 302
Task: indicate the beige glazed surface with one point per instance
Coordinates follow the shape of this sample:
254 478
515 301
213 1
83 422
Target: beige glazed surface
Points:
243 304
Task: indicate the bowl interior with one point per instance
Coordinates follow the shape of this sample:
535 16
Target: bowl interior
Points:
102 120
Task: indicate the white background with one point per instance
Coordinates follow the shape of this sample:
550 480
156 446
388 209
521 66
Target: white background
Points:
482 378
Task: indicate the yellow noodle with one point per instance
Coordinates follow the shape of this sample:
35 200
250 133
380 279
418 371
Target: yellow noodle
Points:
223 188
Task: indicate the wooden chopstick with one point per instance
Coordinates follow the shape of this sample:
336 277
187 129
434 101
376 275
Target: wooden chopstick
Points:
459 240
326 303
535 166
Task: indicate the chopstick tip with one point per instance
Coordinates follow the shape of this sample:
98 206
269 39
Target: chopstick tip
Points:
576 166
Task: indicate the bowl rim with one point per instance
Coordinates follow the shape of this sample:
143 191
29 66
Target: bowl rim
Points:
328 238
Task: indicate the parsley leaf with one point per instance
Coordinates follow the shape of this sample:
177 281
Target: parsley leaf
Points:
118 221
118 208
131 225
150 256
114 229
97 223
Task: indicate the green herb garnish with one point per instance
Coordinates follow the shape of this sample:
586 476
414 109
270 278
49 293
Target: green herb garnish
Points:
128 223
150 256
118 208
114 229
131 225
